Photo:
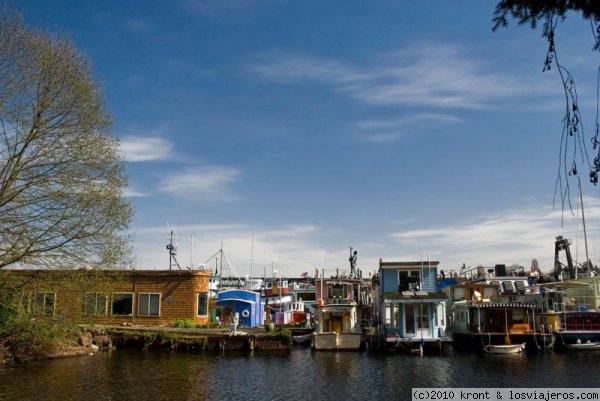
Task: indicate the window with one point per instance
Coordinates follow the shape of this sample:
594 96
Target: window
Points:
95 304
338 291
507 286
459 293
148 305
43 303
520 286
423 317
122 304
388 315
409 280
489 293
396 321
202 304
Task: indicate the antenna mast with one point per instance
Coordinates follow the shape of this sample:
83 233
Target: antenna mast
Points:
172 248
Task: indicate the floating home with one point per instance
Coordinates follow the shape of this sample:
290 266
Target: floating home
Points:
341 299
246 304
410 307
480 320
136 297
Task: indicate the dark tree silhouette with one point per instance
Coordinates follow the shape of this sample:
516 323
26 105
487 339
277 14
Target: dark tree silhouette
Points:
573 147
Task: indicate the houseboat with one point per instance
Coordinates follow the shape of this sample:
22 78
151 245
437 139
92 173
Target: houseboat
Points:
410 307
479 319
571 307
569 314
339 311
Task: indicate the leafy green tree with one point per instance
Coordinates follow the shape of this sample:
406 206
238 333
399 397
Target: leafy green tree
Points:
551 13
61 176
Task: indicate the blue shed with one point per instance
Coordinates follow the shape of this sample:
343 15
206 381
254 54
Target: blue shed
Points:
246 303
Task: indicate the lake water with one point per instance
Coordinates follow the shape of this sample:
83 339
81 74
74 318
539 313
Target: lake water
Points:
299 374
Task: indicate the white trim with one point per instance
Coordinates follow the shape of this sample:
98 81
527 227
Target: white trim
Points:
148 314
112 300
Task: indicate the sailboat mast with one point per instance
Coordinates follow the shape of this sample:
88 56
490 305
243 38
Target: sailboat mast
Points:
252 259
587 258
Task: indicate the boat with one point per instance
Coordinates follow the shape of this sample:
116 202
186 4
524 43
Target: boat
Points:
338 328
586 346
571 314
338 312
504 348
275 287
302 339
411 308
479 319
572 329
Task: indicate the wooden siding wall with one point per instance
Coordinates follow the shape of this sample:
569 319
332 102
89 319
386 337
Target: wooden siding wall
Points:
178 293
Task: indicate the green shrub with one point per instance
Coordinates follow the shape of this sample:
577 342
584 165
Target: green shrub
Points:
282 334
184 323
29 336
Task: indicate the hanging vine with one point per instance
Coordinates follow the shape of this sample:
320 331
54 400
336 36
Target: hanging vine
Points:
573 150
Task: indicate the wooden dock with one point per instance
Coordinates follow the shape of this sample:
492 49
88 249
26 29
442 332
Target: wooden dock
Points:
246 339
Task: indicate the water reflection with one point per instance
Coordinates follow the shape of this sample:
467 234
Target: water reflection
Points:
294 375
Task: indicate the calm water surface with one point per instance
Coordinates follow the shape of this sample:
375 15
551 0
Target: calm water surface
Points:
299 374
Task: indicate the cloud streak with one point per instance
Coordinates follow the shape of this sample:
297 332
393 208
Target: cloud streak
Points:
202 183
506 237
142 149
391 130
436 76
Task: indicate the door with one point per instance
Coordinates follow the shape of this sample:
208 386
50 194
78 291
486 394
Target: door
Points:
416 320
409 320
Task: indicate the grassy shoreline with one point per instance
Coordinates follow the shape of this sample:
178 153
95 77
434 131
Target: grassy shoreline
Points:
59 340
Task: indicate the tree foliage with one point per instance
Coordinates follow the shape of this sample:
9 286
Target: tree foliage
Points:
61 176
532 11
573 147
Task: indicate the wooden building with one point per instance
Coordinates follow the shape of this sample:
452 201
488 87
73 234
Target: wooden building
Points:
141 297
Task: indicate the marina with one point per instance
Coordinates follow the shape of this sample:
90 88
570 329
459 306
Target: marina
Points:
410 307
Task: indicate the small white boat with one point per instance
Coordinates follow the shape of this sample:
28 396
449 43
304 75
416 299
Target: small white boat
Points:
504 349
584 346
302 339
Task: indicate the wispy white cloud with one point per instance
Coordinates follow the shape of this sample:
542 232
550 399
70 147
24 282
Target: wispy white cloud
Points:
132 193
508 237
514 236
141 149
281 67
412 119
392 130
287 249
202 183
437 76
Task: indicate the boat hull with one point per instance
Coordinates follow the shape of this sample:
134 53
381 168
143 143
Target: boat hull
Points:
587 346
334 341
477 342
505 348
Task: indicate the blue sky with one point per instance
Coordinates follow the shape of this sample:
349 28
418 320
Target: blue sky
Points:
290 131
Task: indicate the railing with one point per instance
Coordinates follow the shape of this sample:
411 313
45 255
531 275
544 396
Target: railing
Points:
576 324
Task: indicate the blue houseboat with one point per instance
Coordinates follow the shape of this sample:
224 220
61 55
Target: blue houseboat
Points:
246 303
411 308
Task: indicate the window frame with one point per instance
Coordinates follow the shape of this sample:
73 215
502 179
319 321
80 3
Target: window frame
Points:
97 296
411 281
43 308
112 303
151 296
198 294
